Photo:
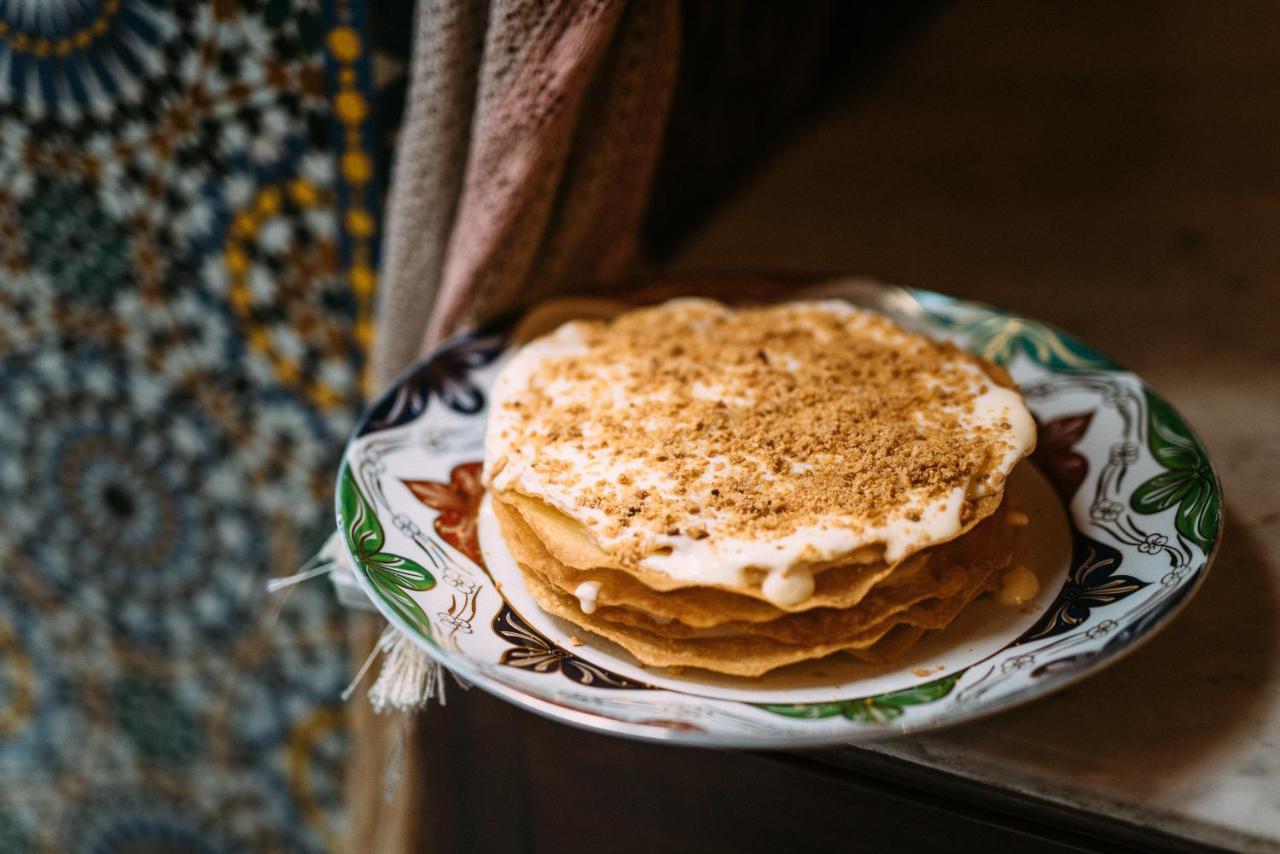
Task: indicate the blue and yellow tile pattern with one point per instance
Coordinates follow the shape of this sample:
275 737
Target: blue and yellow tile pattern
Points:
188 236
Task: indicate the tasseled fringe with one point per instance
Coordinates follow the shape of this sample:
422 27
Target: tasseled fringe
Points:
408 679
323 563
313 568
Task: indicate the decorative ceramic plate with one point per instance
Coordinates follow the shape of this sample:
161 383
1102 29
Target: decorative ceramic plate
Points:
1125 506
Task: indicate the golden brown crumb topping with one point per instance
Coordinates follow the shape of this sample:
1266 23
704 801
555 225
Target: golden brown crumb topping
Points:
701 421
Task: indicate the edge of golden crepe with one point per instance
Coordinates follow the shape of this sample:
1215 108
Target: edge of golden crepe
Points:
955 574
737 656
839 587
569 542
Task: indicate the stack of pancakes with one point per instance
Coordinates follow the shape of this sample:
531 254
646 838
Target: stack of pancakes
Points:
742 489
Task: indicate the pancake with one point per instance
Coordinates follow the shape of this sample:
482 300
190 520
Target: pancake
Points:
882 627
737 656
839 587
899 639
741 489
570 543
702 443
930 597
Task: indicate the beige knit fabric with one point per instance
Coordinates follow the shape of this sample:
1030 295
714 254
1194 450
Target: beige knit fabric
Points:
529 140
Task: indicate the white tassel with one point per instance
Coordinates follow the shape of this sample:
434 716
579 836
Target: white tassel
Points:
323 563
409 678
311 569
408 681
384 643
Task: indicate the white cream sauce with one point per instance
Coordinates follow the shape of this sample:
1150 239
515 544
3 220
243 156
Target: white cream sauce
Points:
587 592
719 559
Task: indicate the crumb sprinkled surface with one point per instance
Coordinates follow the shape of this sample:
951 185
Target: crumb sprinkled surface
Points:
690 420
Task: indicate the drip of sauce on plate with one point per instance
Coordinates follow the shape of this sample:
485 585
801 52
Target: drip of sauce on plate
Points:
1018 586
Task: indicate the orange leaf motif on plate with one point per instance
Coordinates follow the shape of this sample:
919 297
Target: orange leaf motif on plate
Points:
459 504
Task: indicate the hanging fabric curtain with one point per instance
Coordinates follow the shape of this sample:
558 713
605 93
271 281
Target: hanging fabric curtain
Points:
522 168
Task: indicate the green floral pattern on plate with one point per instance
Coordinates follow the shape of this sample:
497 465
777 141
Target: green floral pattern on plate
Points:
880 709
390 574
1188 482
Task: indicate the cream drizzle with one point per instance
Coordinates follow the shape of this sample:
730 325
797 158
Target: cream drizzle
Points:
726 560
587 592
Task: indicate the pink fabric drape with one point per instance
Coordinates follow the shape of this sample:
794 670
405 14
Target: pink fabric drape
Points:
563 114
